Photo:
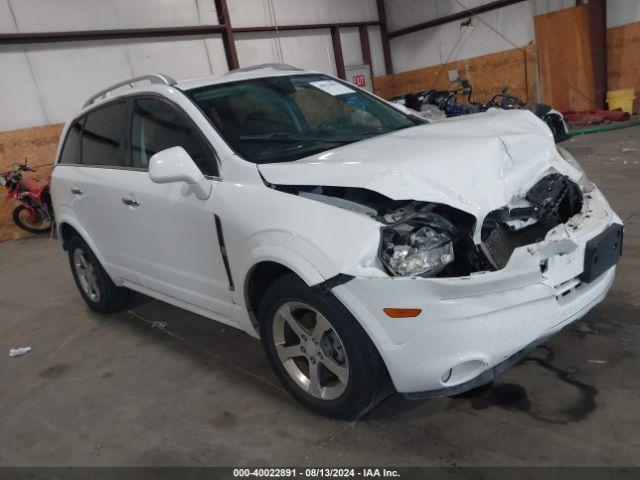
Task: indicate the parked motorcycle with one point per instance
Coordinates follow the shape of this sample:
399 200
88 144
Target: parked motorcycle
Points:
447 101
34 212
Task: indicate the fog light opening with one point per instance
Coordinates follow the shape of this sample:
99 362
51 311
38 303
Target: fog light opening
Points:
463 372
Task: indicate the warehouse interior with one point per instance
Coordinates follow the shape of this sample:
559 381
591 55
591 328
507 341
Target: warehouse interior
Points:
154 385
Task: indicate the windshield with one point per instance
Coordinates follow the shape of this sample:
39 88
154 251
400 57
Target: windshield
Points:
280 119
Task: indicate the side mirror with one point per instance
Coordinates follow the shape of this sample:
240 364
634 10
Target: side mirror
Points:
175 165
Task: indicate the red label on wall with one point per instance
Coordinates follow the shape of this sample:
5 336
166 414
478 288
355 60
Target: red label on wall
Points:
358 80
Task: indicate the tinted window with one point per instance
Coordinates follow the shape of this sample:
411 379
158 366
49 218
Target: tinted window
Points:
71 149
156 126
102 136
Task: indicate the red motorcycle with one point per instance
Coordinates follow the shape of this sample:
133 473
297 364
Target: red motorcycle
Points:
34 213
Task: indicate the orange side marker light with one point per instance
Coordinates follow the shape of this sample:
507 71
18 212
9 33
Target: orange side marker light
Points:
402 312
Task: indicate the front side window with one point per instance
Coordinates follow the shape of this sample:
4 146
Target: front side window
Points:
280 119
102 136
156 126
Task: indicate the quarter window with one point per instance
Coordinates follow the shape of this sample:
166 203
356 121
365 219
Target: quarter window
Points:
156 126
71 149
102 136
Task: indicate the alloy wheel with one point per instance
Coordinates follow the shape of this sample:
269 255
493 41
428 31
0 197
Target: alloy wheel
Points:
310 350
87 274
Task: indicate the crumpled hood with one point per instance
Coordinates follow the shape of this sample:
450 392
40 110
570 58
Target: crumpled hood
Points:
475 163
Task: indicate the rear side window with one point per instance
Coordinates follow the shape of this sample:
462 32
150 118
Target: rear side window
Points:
156 125
71 150
102 138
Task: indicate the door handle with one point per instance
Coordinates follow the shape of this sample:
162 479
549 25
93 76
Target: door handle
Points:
130 202
76 191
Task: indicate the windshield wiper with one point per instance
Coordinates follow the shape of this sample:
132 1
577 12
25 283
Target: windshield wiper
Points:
288 137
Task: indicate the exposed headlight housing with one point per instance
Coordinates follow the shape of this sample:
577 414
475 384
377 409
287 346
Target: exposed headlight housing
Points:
422 246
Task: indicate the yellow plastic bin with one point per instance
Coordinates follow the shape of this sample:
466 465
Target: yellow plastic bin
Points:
621 99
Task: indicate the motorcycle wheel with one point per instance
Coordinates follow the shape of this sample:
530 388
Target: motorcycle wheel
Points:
22 218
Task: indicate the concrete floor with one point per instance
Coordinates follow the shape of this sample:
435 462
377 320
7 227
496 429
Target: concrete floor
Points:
158 386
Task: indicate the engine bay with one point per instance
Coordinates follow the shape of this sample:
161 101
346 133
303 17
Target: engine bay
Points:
553 200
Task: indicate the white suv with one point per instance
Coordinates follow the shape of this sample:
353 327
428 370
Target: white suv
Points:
368 250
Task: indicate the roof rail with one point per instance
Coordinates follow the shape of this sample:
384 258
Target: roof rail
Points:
273 66
154 78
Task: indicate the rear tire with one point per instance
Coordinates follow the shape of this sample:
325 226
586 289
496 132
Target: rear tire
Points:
96 287
43 227
319 351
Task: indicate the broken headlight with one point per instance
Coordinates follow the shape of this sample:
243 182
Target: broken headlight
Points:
422 246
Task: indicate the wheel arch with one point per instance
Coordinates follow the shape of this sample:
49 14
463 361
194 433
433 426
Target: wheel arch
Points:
67 228
65 232
265 265
256 283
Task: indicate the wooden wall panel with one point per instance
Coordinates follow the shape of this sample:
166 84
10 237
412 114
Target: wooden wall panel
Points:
38 145
564 65
488 74
623 59
564 58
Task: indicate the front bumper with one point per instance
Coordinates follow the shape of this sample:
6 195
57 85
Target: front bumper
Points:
470 325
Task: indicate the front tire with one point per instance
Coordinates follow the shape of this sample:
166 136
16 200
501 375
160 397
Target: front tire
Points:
96 287
319 351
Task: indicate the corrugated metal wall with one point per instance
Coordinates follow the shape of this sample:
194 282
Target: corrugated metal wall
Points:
43 84
46 83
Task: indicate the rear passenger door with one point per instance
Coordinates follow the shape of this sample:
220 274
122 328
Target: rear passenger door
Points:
92 168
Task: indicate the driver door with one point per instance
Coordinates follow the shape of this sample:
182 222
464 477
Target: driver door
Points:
169 242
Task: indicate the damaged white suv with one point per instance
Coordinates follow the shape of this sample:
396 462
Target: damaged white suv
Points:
369 251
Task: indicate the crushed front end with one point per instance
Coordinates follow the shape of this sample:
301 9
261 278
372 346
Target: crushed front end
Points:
487 229
542 262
